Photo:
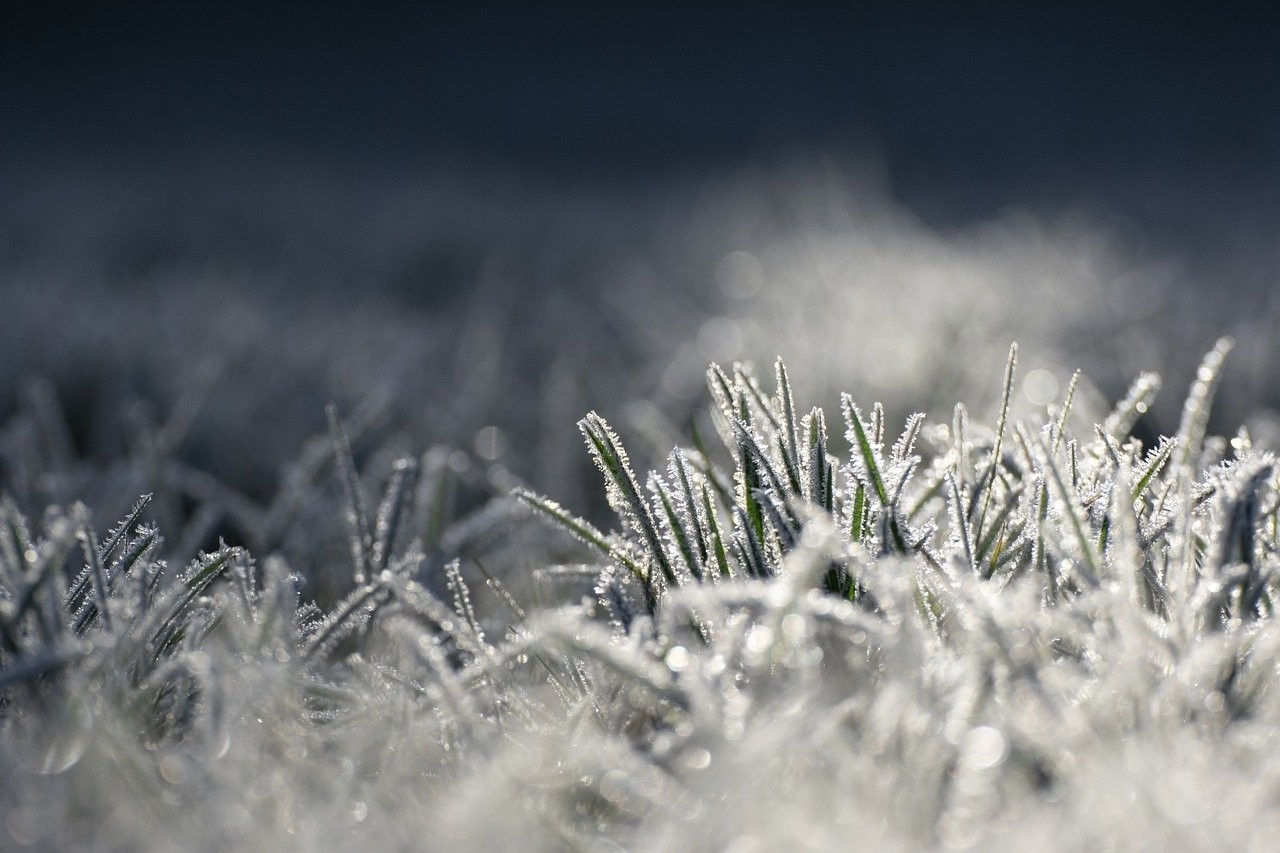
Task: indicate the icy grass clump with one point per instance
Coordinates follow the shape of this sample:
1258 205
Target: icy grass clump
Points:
1014 636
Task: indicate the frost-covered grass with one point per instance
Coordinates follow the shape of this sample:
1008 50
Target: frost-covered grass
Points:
1029 631
1008 630
246 297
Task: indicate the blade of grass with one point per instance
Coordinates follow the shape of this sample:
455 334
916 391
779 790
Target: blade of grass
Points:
357 515
1005 396
612 460
1195 411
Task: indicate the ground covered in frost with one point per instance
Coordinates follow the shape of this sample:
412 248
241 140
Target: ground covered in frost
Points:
1046 623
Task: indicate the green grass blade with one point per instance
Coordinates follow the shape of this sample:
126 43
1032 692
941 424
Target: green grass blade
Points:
961 523
624 492
1076 517
789 436
1060 426
1157 460
680 469
820 491
582 530
674 525
714 533
858 437
1005 396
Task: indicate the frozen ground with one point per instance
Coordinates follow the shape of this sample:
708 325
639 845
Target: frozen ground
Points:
1099 673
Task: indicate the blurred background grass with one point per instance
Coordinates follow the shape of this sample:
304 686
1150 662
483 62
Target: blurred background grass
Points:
501 218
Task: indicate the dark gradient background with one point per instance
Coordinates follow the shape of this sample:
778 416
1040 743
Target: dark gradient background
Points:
505 214
1161 112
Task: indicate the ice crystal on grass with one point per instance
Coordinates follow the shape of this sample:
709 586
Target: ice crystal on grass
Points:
982 625
946 635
